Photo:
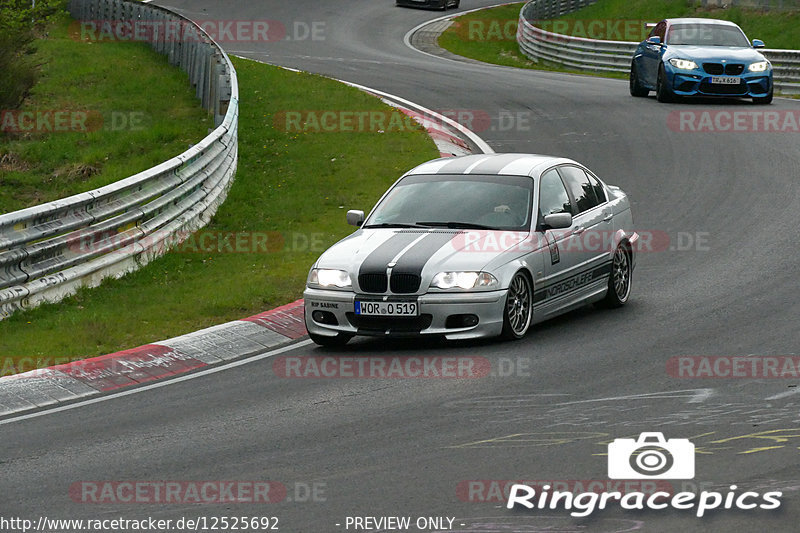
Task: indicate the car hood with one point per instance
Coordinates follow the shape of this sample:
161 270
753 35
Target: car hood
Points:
421 252
715 53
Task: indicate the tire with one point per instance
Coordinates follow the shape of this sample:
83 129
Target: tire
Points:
518 309
331 342
619 281
457 4
663 94
635 87
763 100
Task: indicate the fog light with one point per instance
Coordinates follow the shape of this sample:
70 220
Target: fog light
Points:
461 321
324 317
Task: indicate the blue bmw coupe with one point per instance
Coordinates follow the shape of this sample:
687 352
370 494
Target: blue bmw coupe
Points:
700 57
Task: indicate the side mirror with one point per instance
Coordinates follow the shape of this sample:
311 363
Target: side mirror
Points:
558 221
655 40
355 218
758 43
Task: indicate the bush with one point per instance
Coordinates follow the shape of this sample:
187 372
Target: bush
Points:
20 21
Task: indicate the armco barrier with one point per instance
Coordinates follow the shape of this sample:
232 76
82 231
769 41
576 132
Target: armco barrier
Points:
613 56
48 251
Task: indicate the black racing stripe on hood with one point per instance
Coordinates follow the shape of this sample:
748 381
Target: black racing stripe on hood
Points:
378 260
413 261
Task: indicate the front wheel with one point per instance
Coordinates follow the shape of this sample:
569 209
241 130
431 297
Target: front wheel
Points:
763 100
619 282
663 94
518 309
339 340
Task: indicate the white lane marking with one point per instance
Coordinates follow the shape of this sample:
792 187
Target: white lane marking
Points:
783 395
697 396
482 145
412 31
157 385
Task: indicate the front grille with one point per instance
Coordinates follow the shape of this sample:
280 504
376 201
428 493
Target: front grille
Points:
373 283
734 69
713 68
405 283
382 324
709 88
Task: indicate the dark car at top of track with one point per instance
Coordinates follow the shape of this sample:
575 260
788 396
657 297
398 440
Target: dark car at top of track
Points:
700 57
475 246
439 4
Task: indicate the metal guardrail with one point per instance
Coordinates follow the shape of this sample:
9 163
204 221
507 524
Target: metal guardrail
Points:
613 56
48 251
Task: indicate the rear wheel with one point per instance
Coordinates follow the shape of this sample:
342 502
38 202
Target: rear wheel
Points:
663 94
340 339
518 308
619 282
763 100
636 88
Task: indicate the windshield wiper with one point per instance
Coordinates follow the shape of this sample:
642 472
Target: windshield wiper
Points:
392 225
454 225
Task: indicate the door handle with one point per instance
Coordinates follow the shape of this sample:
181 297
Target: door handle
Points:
608 217
578 230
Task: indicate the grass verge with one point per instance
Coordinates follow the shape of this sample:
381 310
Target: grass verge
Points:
137 111
291 188
489 35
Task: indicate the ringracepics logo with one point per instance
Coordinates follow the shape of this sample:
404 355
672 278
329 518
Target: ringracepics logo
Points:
650 456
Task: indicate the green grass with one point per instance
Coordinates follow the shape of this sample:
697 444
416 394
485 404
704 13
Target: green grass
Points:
296 184
489 35
112 83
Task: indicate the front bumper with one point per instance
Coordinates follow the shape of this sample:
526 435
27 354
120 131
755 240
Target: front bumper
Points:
698 83
434 309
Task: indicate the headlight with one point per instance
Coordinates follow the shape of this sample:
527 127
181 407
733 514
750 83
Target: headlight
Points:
464 280
328 278
683 64
761 66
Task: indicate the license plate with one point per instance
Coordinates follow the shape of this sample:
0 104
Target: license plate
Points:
387 308
725 80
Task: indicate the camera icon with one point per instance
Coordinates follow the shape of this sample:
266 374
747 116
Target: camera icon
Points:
651 457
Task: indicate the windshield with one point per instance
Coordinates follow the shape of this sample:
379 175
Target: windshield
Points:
490 202
706 35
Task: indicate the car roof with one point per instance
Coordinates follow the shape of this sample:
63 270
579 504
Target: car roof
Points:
698 20
490 164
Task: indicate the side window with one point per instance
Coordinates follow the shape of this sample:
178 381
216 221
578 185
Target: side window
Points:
660 30
553 197
599 190
581 188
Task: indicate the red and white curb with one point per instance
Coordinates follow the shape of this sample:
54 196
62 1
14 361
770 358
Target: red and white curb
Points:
108 373
78 380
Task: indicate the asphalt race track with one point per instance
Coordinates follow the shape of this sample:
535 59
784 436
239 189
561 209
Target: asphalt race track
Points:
726 285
